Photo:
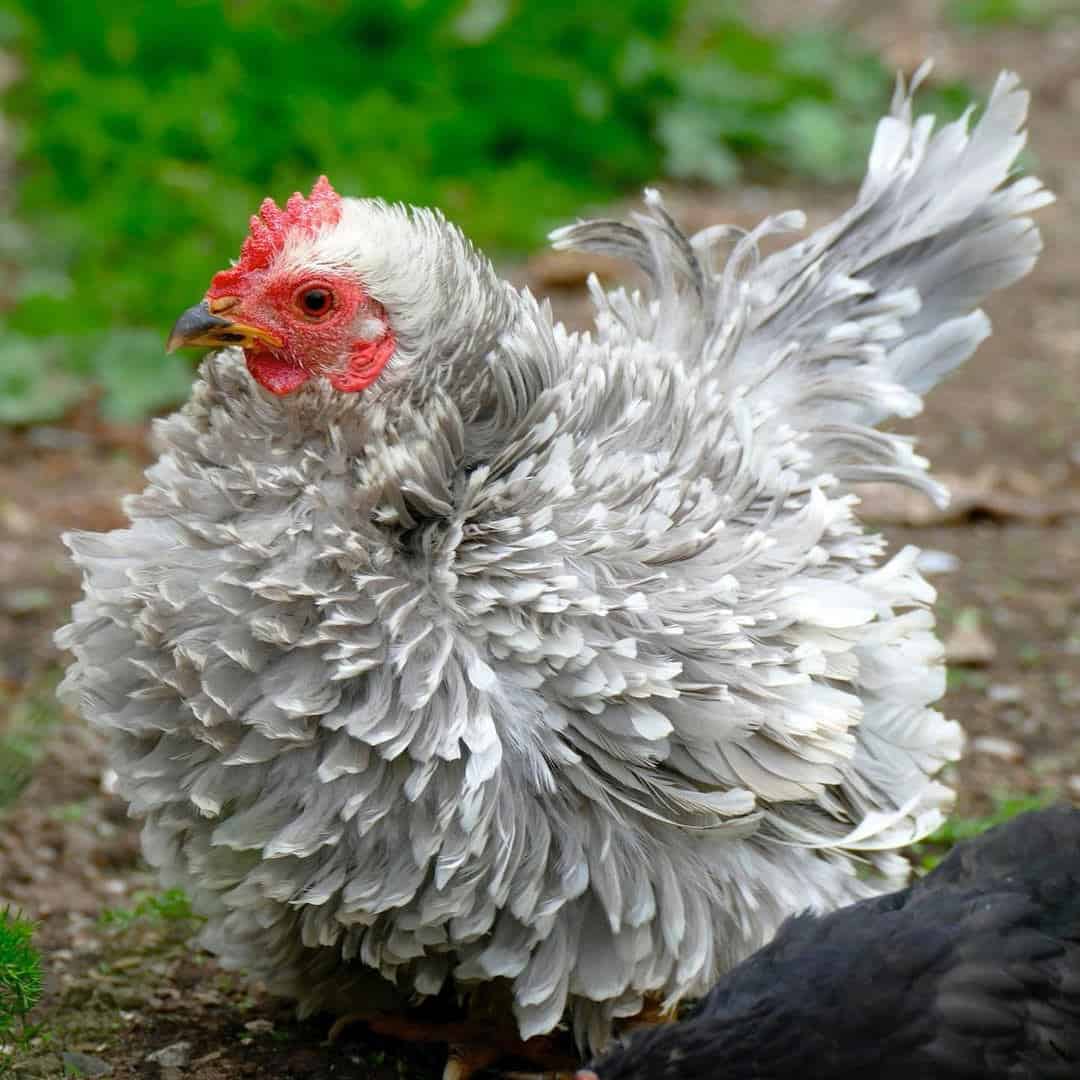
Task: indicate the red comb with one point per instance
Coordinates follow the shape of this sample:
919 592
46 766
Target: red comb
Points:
270 226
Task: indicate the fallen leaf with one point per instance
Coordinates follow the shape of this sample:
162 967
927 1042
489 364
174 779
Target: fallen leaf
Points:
571 269
996 747
968 644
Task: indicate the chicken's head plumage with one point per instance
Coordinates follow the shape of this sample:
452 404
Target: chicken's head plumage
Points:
317 286
295 314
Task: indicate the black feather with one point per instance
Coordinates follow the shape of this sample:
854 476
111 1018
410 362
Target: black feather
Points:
971 972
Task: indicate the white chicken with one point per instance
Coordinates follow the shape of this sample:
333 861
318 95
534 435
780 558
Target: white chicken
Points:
447 649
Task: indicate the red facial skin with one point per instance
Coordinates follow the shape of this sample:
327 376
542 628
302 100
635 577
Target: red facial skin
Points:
327 343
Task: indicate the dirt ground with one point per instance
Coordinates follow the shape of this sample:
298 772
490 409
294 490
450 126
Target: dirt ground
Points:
1005 432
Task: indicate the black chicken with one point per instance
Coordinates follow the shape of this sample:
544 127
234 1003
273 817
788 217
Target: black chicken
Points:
973 971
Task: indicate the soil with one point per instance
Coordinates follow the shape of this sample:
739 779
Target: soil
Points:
1006 429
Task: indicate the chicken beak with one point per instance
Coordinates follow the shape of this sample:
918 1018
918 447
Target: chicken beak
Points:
198 326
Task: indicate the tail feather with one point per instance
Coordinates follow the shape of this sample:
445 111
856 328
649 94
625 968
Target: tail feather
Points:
852 325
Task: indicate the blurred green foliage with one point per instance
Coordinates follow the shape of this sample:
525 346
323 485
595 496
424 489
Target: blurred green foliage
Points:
172 905
981 14
149 132
29 718
21 985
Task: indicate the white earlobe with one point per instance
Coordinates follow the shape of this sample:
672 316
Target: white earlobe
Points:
370 328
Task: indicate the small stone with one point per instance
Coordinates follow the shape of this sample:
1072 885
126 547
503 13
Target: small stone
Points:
1003 694
26 600
174 1056
54 438
997 747
259 1027
19 522
85 1064
937 562
1069 694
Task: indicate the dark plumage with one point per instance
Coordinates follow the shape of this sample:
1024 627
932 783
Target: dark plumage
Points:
973 971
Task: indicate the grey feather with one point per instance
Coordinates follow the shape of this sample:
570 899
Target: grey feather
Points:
552 658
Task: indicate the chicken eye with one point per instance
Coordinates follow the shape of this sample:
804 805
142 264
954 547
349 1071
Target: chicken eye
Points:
315 302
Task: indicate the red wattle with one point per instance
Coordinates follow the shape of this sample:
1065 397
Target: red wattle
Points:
275 373
367 360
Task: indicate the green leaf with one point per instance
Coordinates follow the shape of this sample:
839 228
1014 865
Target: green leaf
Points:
688 133
34 388
822 142
137 376
985 14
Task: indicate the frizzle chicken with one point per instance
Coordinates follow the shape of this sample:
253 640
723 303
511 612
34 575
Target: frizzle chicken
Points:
972 973
447 649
